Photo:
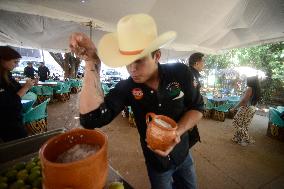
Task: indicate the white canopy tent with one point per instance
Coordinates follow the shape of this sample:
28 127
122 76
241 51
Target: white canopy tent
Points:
208 26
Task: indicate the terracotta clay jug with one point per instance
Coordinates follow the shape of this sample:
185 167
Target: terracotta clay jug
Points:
161 131
87 173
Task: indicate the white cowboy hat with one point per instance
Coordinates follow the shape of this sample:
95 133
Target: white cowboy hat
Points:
135 38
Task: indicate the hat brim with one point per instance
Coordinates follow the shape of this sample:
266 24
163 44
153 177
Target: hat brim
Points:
108 49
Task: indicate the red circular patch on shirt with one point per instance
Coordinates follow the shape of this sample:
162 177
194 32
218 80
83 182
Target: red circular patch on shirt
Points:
137 93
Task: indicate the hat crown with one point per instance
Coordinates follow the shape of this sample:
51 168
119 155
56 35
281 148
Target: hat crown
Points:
136 32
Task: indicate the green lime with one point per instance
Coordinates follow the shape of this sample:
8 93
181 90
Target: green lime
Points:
27 187
37 182
3 179
37 172
3 185
33 176
30 165
116 185
35 159
11 175
18 184
38 163
22 175
35 168
20 166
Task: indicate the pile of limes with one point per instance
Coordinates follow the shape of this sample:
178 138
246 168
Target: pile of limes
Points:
22 176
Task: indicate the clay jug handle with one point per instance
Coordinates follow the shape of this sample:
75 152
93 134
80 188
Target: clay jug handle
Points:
150 116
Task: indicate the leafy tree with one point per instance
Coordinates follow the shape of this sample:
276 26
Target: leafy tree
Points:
218 61
268 58
69 63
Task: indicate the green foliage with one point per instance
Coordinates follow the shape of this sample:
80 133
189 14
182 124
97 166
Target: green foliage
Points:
268 58
218 61
269 88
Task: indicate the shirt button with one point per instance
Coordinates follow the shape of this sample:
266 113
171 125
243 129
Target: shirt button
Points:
152 91
160 105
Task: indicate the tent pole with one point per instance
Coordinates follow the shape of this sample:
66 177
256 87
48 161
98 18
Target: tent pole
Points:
91 29
42 56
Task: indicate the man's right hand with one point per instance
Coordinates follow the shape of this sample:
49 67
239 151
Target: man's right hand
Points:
91 96
29 83
83 47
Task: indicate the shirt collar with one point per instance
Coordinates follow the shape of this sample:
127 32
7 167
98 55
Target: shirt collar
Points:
10 75
196 72
161 71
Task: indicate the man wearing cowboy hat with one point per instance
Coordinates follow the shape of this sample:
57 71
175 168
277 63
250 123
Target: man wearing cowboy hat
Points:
151 87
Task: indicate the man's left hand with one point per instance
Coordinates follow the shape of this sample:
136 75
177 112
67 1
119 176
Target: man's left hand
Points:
168 151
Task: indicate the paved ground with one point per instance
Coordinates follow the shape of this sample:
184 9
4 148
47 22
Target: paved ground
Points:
220 164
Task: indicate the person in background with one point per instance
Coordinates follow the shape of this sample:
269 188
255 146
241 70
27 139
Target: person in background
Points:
11 126
43 72
246 110
196 64
29 70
